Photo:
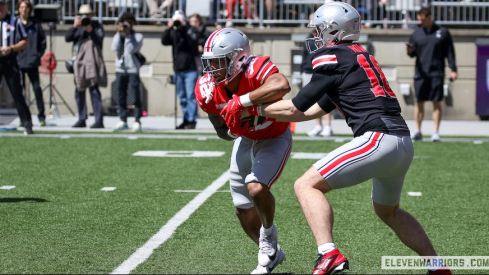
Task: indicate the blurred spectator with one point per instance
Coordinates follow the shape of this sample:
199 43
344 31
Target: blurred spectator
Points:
200 34
306 72
156 11
9 68
214 16
126 44
180 36
248 7
430 44
85 29
270 6
29 59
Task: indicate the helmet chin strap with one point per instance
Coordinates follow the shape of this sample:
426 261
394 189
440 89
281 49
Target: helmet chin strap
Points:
238 71
231 78
336 39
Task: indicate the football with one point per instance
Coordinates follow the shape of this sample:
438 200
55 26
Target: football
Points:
253 120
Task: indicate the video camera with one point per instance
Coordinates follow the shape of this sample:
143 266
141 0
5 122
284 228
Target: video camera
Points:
85 20
126 25
178 17
47 13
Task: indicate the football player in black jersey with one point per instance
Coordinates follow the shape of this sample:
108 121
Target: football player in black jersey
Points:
347 77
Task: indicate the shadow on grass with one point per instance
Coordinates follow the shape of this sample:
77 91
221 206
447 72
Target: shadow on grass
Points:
22 199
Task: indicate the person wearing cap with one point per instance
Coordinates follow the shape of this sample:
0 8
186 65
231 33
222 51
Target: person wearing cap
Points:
185 49
126 44
83 29
13 38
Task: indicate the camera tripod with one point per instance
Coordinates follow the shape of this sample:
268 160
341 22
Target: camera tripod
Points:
53 105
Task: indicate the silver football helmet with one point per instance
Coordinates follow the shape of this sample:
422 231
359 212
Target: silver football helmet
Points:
227 49
334 22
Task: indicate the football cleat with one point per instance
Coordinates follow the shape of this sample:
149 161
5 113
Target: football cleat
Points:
136 127
327 132
417 136
332 262
121 125
435 137
441 271
316 131
268 247
279 257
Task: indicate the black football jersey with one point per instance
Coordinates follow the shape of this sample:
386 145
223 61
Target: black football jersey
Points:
347 77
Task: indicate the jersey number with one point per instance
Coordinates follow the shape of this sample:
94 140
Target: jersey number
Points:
380 86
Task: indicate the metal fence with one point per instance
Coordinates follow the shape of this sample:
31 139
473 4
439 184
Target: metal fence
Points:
269 13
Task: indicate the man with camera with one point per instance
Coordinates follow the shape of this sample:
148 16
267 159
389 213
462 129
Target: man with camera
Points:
181 36
84 29
127 44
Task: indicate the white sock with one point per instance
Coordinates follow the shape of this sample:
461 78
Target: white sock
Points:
326 247
268 231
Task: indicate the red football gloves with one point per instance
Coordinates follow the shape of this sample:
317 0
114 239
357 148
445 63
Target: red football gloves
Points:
240 130
232 113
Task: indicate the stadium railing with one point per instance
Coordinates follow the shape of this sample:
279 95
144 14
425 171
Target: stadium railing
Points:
289 13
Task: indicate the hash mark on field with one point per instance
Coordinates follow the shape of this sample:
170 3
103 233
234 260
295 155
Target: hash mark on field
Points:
7 187
179 154
143 253
108 189
199 191
302 155
415 194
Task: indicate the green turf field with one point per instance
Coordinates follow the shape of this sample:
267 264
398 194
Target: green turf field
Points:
58 220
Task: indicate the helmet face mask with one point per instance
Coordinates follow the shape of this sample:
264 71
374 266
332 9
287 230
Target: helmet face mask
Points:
334 22
217 67
320 30
226 53
221 67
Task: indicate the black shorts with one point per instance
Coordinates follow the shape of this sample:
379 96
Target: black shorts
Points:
429 89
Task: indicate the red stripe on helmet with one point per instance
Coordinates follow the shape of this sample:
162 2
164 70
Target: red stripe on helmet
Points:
209 43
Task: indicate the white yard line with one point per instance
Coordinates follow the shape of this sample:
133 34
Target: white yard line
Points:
143 253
